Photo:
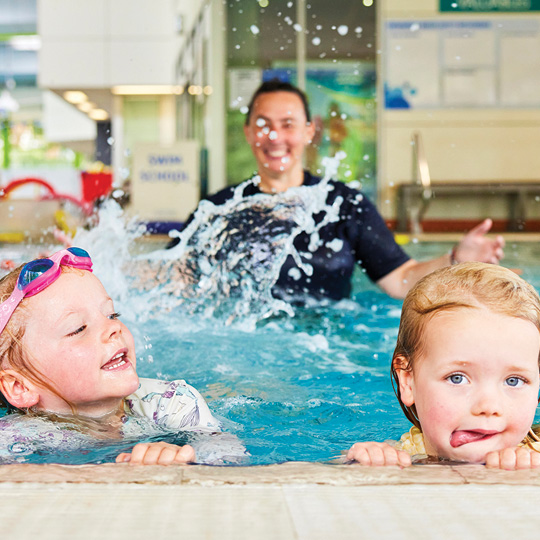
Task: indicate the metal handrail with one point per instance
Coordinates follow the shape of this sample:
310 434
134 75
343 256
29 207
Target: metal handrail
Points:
420 165
420 176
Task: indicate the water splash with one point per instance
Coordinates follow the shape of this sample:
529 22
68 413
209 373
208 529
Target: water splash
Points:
110 243
227 260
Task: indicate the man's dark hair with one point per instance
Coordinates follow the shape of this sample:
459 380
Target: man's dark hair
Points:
275 85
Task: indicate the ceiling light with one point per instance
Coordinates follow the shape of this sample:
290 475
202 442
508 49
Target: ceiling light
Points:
195 90
98 114
146 89
87 106
75 96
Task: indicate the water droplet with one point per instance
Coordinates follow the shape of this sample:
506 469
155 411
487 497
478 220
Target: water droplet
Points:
316 41
343 30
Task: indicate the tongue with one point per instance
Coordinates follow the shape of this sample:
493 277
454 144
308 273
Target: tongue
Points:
458 438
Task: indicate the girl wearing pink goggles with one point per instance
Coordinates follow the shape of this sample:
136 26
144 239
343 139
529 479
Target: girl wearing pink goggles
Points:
68 354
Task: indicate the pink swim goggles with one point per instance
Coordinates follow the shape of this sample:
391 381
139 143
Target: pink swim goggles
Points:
39 274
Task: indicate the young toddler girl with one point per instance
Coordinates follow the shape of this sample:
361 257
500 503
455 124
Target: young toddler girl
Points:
65 356
466 370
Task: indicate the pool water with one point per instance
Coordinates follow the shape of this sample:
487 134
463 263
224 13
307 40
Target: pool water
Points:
301 385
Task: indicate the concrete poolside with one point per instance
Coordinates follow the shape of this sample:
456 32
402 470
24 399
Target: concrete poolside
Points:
304 501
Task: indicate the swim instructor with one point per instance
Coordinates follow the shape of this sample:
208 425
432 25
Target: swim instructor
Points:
278 128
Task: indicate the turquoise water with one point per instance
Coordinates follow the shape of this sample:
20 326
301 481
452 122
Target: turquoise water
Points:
301 387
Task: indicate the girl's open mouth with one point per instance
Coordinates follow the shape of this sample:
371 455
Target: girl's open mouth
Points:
119 360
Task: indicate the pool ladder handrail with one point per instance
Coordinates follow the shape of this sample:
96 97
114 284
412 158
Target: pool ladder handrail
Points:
421 176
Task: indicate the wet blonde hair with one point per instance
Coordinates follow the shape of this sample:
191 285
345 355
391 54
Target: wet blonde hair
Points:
12 352
464 286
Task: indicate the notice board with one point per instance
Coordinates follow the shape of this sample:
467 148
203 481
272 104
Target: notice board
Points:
445 63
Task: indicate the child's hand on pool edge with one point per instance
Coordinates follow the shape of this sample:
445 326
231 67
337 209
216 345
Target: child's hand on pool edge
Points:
376 454
160 453
512 459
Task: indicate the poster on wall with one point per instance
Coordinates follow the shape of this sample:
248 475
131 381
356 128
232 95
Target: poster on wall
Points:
462 63
343 108
242 83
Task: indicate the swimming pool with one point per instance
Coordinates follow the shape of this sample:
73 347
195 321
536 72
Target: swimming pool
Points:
301 387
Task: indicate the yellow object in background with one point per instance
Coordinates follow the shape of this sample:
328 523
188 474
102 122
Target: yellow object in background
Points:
11 237
62 222
402 239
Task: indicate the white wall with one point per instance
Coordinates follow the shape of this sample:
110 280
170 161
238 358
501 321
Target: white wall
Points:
63 122
485 144
101 43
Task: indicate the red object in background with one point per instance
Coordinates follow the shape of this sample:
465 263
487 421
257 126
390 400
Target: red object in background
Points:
95 185
51 193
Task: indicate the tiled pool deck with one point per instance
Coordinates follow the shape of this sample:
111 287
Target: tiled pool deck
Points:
304 501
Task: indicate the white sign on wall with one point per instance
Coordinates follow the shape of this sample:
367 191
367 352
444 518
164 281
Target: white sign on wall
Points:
165 184
242 83
490 62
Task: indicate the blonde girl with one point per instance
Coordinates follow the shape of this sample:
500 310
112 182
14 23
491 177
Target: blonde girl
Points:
65 355
466 370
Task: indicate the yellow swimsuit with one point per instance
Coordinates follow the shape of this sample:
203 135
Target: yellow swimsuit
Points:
412 442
